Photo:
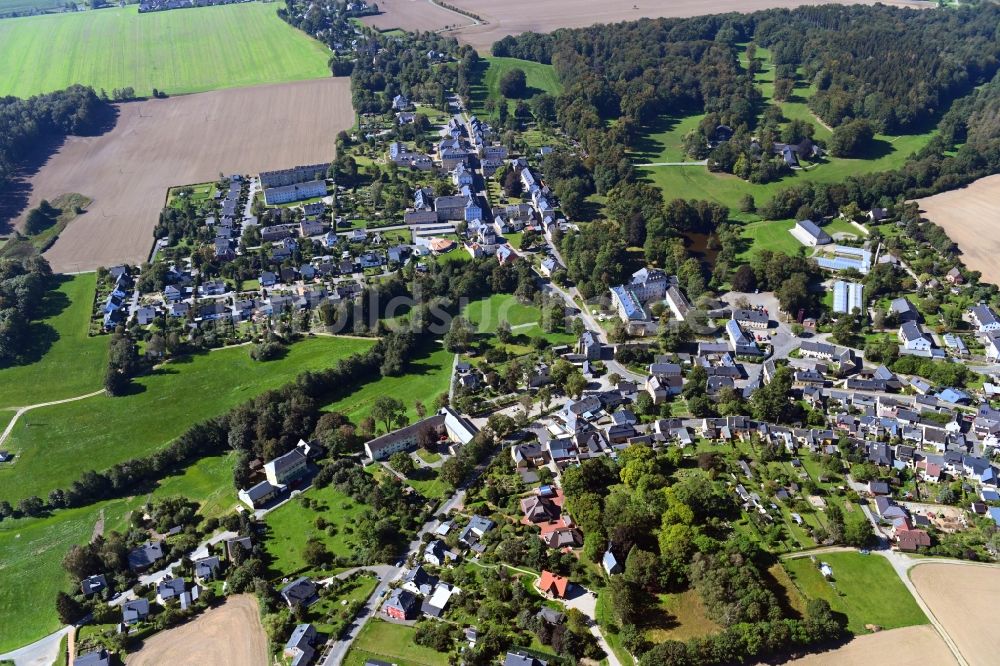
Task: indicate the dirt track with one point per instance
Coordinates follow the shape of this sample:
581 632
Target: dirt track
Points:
971 216
963 598
415 15
516 16
159 143
900 647
230 635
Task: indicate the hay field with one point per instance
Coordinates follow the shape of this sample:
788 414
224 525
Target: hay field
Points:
909 646
415 16
971 216
177 51
963 599
188 139
516 16
230 635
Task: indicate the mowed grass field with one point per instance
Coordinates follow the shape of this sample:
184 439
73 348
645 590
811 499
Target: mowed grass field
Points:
181 51
865 588
427 377
56 444
385 641
292 524
65 361
540 78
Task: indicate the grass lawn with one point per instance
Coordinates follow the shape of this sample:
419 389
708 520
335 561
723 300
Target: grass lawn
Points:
58 443
209 481
486 80
427 378
774 236
176 51
325 607
64 362
487 313
865 588
392 642
605 618
291 525
663 139
679 617
425 455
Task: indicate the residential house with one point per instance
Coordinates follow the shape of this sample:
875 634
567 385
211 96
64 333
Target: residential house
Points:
553 585
299 646
134 611
93 585
286 468
914 339
170 589
100 657
206 568
146 555
300 592
401 605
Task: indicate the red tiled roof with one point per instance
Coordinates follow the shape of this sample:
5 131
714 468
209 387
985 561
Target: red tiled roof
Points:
553 584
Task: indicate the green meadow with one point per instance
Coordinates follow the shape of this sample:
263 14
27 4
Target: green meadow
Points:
57 443
180 51
865 588
64 361
540 78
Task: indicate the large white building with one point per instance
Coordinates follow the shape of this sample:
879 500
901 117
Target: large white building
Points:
296 192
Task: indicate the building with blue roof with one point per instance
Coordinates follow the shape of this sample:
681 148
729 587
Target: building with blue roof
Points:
628 304
848 297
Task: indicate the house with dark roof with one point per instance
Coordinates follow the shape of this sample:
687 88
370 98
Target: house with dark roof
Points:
300 592
401 605
93 585
170 588
286 468
206 568
522 659
904 310
99 658
143 557
259 494
134 611
418 581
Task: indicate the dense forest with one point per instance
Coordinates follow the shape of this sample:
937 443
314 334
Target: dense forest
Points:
23 283
27 123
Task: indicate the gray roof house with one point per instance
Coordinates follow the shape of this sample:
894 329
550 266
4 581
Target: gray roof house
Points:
300 592
522 659
206 567
145 555
170 588
134 611
299 645
98 658
93 584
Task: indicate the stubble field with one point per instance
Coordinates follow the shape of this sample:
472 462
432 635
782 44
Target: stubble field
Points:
909 645
516 16
177 51
971 217
230 635
963 599
189 139
414 15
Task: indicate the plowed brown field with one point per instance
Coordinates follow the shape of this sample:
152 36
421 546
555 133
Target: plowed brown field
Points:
159 143
971 216
230 635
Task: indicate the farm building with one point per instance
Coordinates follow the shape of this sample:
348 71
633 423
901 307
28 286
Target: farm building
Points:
848 297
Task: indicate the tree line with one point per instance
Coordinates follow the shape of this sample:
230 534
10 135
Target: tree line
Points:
26 124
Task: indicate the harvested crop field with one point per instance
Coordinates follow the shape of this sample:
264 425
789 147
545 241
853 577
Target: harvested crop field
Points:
971 217
516 16
906 646
230 635
158 143
963 599
414 15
